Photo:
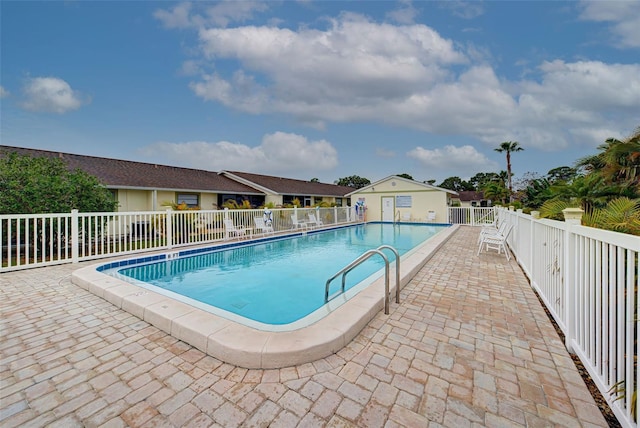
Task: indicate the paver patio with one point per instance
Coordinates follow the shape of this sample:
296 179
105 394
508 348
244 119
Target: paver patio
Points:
469 345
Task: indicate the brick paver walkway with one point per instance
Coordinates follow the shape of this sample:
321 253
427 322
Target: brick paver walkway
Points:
469 345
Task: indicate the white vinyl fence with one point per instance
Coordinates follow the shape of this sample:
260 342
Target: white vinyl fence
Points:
588 280
36 240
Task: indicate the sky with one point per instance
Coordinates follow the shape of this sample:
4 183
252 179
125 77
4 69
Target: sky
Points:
322 89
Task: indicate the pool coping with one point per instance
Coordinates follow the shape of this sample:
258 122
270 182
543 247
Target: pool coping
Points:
244 346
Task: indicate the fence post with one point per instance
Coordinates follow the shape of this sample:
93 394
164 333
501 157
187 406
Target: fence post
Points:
535 215
169 228
335 215
572 217
225 216
75 236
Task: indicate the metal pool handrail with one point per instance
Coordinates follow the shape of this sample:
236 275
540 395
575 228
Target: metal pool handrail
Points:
366 255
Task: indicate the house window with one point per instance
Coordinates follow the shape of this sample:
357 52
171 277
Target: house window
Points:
338 202
191 199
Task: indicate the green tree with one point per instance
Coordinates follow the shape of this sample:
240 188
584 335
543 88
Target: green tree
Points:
537 193
618 164
509 147
455 183
496 191
314 180
479 180
405 175
585 191
562 173
34 185
353 181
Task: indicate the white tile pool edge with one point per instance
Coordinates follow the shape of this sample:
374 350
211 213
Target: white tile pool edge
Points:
243 346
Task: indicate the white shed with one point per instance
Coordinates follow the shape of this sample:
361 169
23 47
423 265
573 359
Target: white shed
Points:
400 199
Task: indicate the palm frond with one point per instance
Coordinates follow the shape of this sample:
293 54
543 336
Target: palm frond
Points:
553 208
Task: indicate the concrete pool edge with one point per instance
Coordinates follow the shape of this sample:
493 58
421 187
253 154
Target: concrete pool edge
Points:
247 347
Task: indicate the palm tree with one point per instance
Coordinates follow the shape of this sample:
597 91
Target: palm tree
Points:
622 161
617 165
509 147
495 191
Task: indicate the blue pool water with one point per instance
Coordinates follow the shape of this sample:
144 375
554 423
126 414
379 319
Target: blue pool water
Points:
281 280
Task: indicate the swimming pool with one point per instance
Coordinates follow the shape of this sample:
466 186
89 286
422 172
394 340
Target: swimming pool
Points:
279 281
233 342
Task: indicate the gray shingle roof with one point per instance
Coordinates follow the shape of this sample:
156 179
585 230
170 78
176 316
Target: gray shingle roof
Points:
289 186
470 195
116 173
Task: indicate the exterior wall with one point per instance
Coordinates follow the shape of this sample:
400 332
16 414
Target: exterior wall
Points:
423 200
164 198
209 201
134 200
326 199
274 199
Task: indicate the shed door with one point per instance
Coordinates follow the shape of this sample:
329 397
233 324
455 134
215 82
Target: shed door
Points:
387 208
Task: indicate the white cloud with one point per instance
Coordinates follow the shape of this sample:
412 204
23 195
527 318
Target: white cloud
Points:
464 9
351 71
225 12
199 14
573 97
3 92
463 160
624 17
51 94
191 68
405 14
357 70
279 153
178 17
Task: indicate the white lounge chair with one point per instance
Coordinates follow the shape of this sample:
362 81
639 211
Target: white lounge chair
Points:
263 227
297 224
431 216
492 230
496 241
233 230
315 221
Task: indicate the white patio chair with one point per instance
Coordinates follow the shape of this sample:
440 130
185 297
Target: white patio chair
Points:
314 221
298 224
431 216
233 230
497 241
492 230
262 226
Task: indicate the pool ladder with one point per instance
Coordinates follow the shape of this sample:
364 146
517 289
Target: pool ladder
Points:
366 255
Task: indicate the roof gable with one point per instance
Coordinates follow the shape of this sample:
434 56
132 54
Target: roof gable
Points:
406 181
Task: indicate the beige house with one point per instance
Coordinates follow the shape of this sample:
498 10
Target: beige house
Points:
399 199
470 198
141 186
280 191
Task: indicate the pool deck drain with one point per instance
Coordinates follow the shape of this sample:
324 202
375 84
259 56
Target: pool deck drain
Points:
469 345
